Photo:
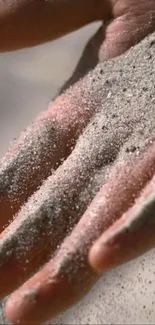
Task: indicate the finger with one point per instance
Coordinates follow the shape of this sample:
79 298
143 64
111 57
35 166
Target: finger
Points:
133 234
27 23
132 21
68 276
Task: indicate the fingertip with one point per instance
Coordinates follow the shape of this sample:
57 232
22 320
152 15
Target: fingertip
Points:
99 257
40 299
11 313
19 309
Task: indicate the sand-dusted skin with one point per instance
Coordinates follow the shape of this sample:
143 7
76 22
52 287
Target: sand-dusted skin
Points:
112 149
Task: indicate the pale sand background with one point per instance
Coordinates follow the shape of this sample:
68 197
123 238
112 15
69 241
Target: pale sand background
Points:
28 80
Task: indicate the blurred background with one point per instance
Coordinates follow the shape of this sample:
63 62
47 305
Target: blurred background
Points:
28 81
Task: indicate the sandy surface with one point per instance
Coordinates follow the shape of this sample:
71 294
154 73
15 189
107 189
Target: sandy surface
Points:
127 294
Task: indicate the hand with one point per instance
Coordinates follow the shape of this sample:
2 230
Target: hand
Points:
50 179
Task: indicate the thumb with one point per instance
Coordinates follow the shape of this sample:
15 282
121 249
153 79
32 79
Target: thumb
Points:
133 20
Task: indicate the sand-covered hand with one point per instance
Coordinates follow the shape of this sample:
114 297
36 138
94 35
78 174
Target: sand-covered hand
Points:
83 172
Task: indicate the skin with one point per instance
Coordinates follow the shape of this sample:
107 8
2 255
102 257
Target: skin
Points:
50 291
